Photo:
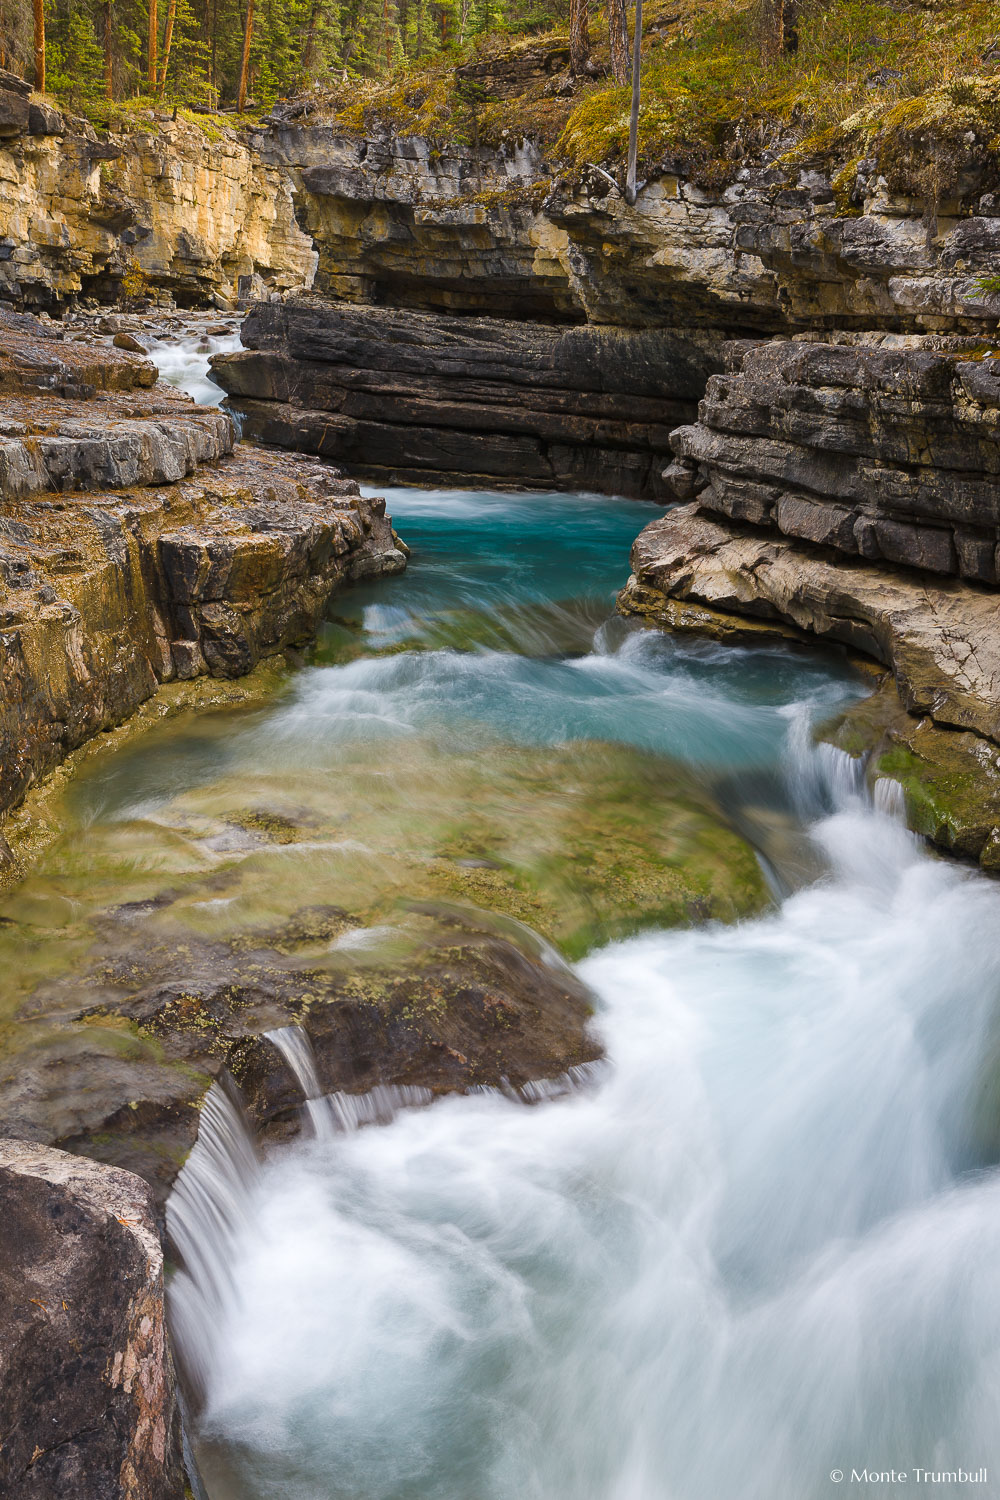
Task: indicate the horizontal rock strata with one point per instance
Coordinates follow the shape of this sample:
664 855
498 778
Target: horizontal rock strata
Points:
417 397
939 637
799 243
203 557
87 1401
886 450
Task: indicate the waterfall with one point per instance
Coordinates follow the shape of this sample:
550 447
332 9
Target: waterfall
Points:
760 1252
331 1114
206 1212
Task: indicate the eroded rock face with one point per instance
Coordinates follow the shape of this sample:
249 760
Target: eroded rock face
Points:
417 397
401 221
87 1399
696 570
138 544
939 637
883 449
195 211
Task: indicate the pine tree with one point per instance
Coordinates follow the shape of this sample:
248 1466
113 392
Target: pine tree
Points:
39 14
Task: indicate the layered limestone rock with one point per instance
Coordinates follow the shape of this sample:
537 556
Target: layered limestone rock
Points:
881 448
87 1399
417 396
138 544
791 243
195 209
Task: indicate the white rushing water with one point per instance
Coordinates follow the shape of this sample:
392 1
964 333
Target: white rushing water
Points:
184 363
764 1251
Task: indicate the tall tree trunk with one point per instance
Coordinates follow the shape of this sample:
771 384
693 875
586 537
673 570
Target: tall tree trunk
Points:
633 124
579 35
241 97
154 37
109 70
780 28
40 46
168 38
618 37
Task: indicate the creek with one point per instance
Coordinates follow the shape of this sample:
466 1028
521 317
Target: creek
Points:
759 1245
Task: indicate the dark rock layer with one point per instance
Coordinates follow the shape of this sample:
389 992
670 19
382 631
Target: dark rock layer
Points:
425 398
87 1402
886 450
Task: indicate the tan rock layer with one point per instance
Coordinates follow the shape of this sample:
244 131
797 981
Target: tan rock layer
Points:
405 221
108 595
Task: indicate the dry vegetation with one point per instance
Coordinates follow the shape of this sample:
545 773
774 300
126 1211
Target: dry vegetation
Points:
917 85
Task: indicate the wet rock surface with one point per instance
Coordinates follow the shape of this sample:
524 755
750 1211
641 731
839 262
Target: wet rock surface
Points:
139 543
87 1401
938 636
458 1004
384 907
693 569
417 397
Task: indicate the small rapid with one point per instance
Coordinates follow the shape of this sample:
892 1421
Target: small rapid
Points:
764 1249
184 362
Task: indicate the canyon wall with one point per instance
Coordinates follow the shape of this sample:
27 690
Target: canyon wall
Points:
795 242
408 396
189 204
140 543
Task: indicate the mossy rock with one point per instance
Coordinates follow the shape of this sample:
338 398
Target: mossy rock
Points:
950 778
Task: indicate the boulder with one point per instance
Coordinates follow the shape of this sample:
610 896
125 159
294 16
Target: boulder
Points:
88 1406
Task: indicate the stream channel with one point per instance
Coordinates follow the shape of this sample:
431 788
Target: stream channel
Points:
757 1247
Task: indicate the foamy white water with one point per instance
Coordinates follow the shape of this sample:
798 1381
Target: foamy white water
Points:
765 1250
185 364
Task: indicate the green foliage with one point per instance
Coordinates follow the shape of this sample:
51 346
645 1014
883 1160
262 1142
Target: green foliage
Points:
75 60
868 76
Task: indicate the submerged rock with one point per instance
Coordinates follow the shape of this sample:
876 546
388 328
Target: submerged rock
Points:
87 1402
447 1001
387 907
